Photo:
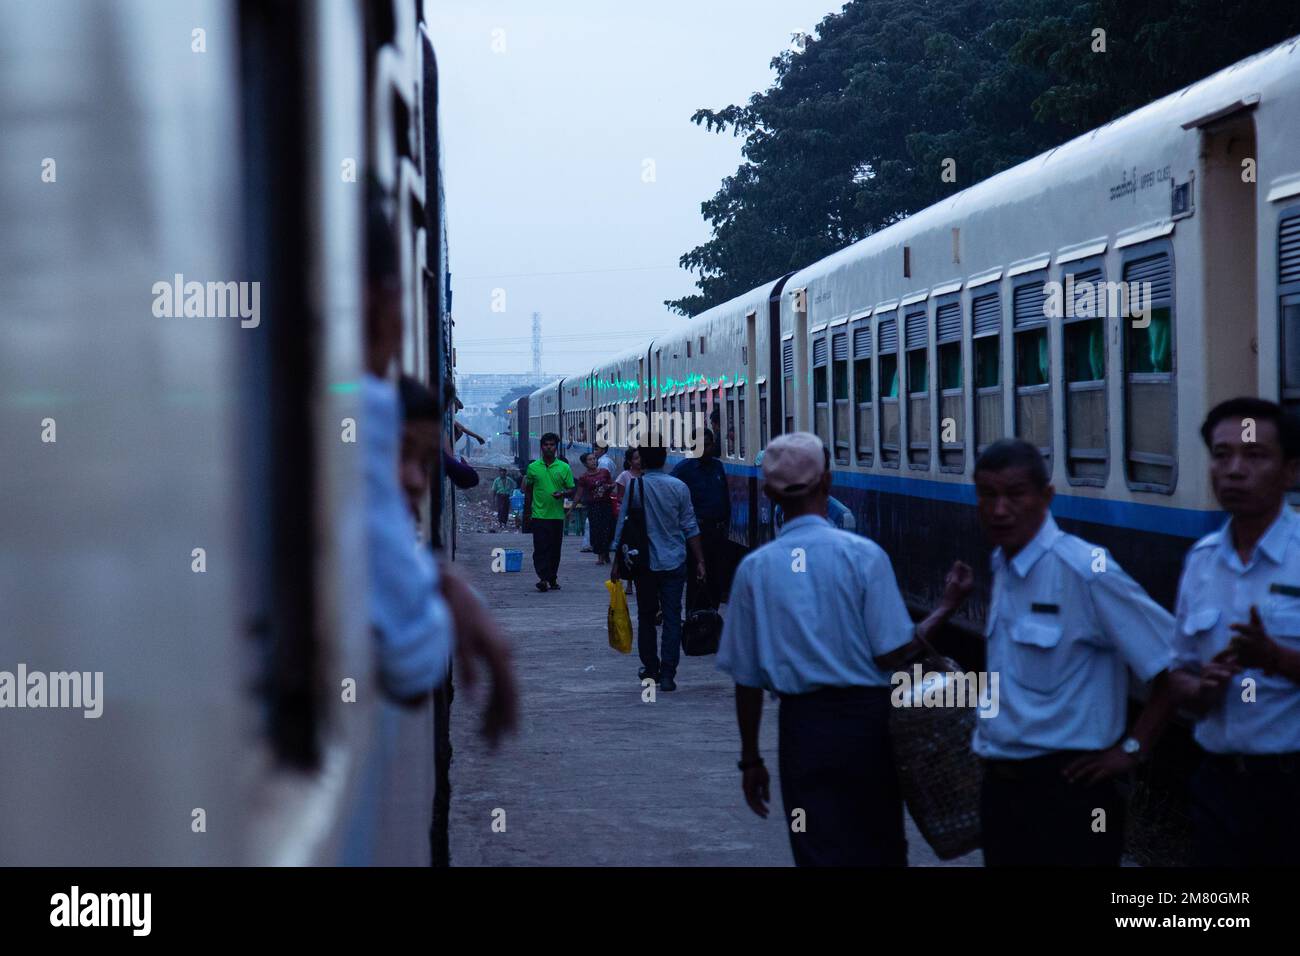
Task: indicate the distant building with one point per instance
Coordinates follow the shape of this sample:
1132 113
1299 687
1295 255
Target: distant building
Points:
490 388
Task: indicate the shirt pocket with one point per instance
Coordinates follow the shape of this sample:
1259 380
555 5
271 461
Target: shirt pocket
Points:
1039 656
1282 621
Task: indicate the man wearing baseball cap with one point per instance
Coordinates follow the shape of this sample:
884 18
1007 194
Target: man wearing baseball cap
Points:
811 614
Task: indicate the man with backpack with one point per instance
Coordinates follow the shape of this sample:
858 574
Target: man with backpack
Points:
658 523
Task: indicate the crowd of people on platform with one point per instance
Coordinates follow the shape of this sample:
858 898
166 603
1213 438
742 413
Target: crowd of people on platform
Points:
816 618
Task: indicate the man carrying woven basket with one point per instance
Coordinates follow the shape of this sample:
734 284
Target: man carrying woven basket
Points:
816 617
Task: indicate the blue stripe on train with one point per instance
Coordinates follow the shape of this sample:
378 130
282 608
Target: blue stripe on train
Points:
1180 522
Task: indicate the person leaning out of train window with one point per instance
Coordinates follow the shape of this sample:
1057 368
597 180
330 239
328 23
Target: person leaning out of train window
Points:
478 641
1065 626
1238 635
411 622
458 470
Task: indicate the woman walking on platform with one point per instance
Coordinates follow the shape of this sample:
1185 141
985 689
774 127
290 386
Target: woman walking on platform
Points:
594 491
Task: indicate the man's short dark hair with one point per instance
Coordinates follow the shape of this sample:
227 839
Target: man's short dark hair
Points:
1260 409
549 436
653 457
419 403
1014 453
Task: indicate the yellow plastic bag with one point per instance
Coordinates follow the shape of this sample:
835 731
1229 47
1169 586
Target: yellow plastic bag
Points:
620 622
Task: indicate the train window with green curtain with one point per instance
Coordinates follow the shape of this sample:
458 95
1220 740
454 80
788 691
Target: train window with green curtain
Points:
864 437
1084 359
1033 403
952 394
1150 407
916 333
731 422
821 396
840 396
986 328
887 339
740 420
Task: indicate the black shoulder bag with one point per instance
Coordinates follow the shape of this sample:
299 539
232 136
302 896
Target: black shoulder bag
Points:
634 545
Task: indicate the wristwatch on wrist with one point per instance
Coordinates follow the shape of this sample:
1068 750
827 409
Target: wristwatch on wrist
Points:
1133 747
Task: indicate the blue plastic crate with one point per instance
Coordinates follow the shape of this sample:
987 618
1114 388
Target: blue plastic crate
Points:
514 559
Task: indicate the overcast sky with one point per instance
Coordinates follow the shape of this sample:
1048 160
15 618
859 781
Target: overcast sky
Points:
545 146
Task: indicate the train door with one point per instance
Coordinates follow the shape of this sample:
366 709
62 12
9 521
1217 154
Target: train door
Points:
1228 253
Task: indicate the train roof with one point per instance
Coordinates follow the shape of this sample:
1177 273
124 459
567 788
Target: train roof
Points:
1063 166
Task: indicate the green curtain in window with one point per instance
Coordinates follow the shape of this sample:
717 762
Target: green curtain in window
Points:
1158 334
1097 350
950 375
1042 358
893 385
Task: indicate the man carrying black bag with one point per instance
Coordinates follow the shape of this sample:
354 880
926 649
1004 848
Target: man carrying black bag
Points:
661 505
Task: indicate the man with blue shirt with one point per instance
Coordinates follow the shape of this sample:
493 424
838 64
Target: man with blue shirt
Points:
411 621
707 481
672 531
1065 627
1238 634
816 617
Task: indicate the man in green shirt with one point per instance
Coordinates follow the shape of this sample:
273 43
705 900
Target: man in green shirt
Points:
502 487
547 482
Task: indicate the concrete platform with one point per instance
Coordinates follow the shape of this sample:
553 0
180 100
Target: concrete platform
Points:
596 776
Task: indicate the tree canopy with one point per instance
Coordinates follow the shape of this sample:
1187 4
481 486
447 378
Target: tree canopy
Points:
861 124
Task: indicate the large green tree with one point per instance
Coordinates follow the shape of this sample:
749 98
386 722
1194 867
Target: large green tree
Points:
855 132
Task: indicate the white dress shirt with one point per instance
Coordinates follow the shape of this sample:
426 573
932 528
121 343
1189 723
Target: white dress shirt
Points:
1217 591
1065 625
411 621
812 609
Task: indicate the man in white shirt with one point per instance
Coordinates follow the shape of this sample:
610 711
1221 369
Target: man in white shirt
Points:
1065 628
1238 637
816 617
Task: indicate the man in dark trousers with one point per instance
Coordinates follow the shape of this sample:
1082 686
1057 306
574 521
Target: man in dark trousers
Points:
547 482
1238 636
707 481
672 532
816 617
1066 629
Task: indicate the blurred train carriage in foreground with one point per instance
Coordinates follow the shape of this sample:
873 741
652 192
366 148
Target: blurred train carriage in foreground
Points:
226 142
911 350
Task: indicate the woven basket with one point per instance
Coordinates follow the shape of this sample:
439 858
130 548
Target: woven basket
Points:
939 774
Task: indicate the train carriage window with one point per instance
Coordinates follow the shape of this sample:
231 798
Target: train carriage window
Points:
1032 370
787 376
918 389
821 397
840 395
731 422
986 328
887 381
952 395
1288 278
864 435
763 427
740 420
699 421
1084 344
1150 412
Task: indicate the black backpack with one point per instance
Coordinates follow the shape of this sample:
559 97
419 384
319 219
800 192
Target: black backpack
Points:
633 555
